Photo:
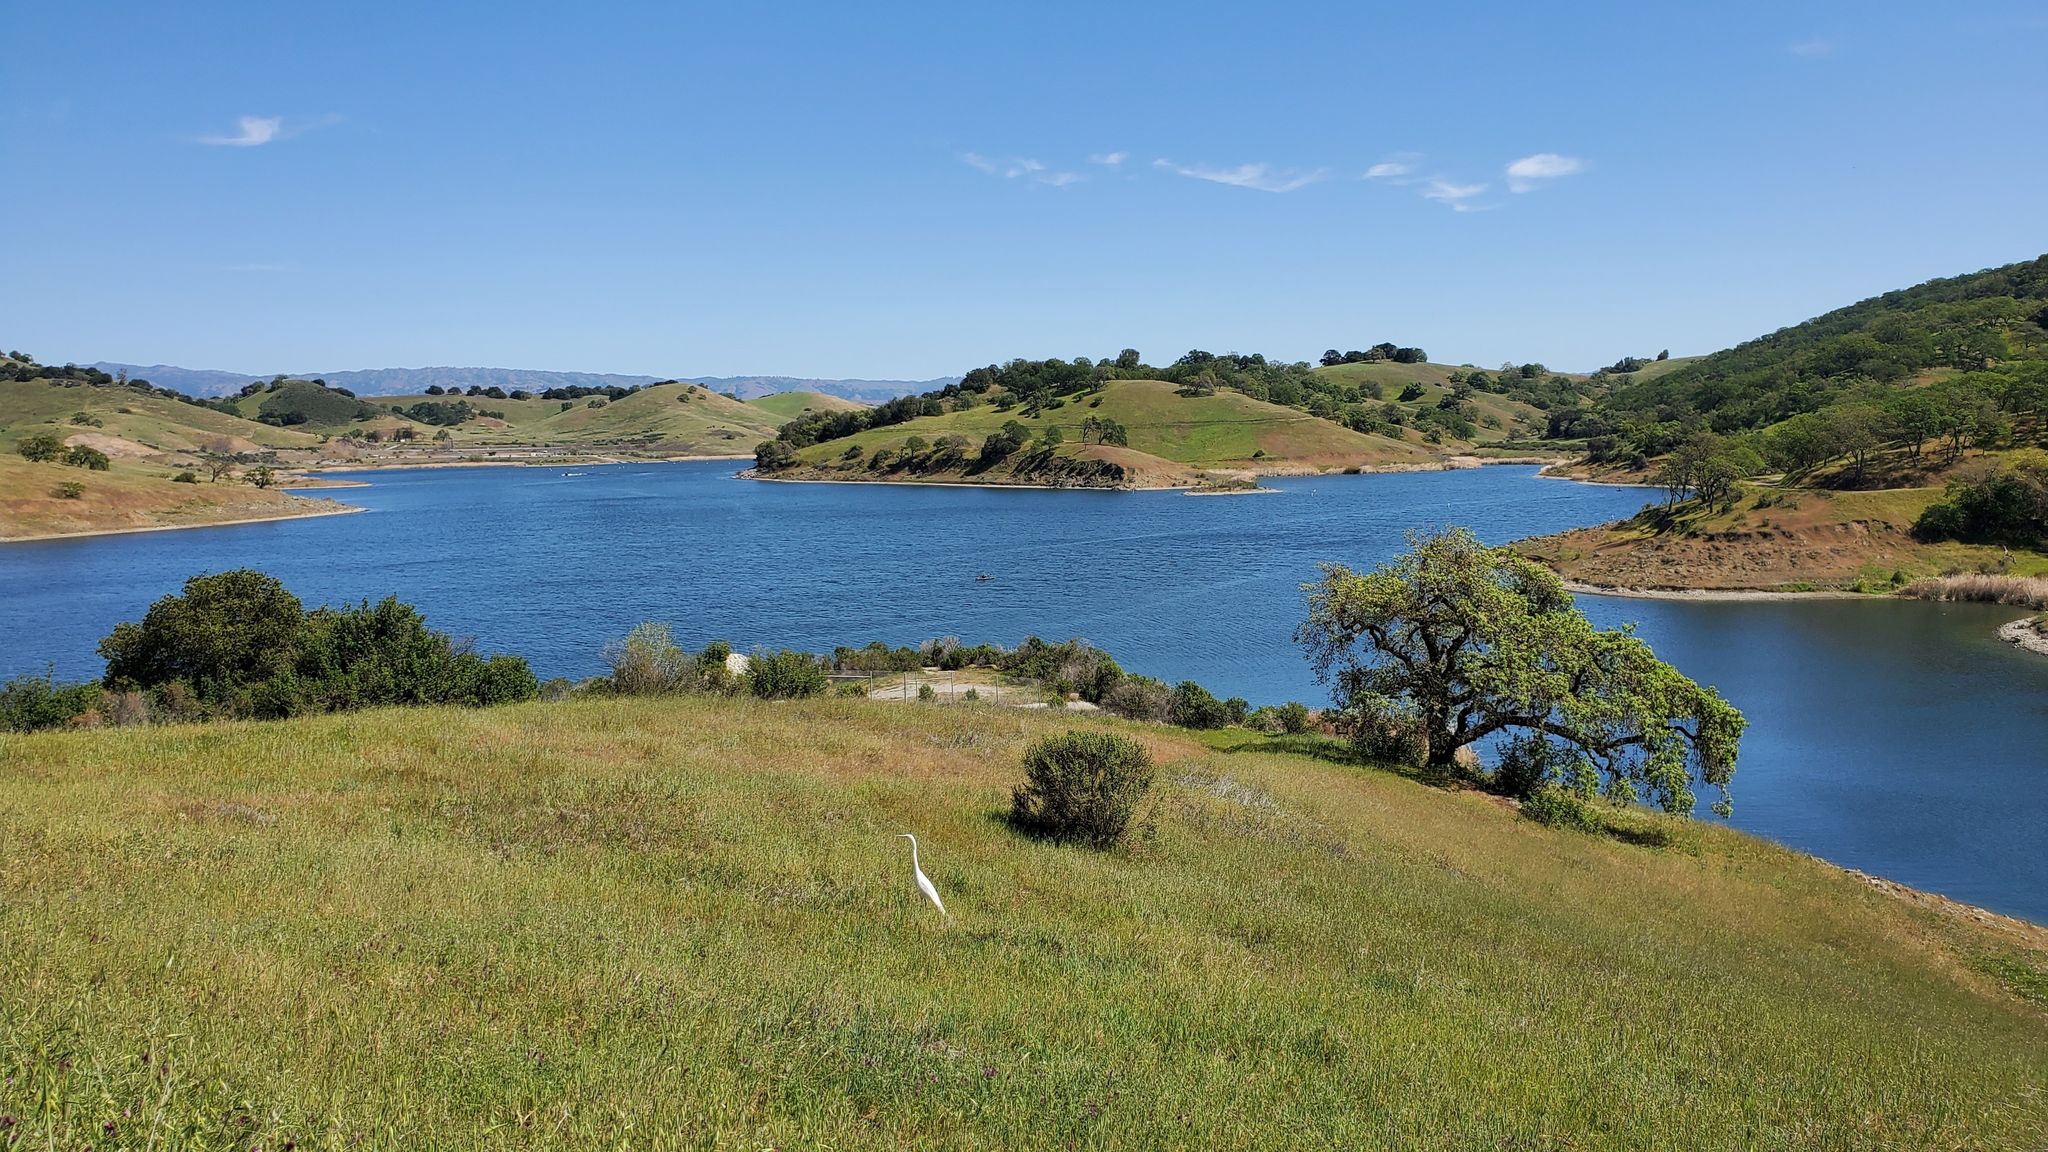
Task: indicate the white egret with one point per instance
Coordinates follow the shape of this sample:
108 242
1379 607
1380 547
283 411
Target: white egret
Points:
924 883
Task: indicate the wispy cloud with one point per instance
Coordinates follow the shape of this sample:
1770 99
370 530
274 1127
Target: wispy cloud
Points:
1019 167
255 130
1391 170
1812 49
1533 171
1459 197
1109 159
1262 177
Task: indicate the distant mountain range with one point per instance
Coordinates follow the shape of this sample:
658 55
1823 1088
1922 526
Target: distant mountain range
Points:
409 381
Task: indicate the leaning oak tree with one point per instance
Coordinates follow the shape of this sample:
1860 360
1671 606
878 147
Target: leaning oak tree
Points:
1463 641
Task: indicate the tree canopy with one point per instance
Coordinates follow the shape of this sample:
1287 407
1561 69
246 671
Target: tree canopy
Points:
1458 642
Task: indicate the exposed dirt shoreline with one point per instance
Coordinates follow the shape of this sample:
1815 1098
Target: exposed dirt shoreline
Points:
2025 635
335 510
1698 594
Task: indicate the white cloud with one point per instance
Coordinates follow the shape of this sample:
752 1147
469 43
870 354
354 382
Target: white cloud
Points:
1812 48
1109 159
1531 171
1390 170
1259 176
1019 166
255 130
1458 196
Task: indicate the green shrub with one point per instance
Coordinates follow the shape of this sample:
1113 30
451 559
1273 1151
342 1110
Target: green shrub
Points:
925 692
70 490
238 644
1193 707
647 662
785 675
972 696
1385 734
1294 718
1081 787
1558 807
40 447
1140 698
29 703
185 478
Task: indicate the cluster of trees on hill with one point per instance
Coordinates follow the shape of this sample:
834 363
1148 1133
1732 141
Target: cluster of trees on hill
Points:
1995 503
439 412
493 392
1374 355
49 448
580 391
1939 420
1993 322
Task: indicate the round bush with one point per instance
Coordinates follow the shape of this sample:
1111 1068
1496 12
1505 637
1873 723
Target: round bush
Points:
1082 787
1559 808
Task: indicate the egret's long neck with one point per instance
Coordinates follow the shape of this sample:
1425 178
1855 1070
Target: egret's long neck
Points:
913 850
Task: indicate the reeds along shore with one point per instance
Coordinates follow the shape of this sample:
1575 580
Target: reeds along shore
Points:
2017 591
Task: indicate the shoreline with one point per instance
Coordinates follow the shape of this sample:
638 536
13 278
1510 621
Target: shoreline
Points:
2023 635
1445 464
590 461
338 510
1578 588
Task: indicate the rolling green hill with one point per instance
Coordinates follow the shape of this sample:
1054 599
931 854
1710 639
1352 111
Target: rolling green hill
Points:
1994 322
1495 416
789 405
665 419
147 425
148 439
1170 440
690 922
306 405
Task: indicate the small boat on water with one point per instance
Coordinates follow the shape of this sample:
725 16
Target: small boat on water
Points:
983 578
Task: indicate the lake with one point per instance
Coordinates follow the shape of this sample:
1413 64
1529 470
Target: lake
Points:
1900 738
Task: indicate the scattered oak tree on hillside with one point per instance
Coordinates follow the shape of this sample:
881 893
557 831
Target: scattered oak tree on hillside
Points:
1454 642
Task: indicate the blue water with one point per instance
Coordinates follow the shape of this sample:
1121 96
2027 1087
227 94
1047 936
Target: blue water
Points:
1900 738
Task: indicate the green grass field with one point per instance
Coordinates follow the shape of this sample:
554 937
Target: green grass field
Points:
1224 430
787 406
685 923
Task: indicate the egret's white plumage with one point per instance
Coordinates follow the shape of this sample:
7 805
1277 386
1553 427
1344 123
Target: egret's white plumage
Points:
924 883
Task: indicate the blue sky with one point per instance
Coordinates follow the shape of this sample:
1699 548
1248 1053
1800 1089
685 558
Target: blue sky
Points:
908 190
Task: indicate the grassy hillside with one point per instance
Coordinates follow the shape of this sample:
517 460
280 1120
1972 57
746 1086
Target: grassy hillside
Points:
687 922
308 406
147 439
147 426
1995 320
1507 417
789 405
1172 438
1774 539
129 497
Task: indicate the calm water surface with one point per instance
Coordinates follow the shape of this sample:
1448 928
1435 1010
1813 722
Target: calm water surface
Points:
1900 738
